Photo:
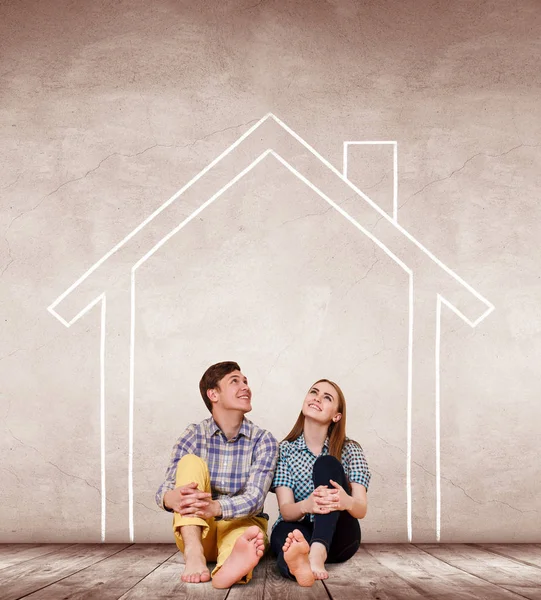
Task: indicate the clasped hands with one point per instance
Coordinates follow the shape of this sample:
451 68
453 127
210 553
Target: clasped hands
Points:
188 501
324 499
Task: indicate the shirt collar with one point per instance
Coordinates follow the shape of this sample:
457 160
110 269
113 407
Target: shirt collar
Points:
246 428
300 442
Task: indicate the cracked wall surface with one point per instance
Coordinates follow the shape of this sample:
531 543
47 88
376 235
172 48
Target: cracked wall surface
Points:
108 109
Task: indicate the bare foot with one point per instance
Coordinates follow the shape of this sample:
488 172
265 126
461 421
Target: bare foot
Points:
318 555
296 550
195 570
247 551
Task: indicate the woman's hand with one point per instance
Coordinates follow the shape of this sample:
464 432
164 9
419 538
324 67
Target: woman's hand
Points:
342 500
319 502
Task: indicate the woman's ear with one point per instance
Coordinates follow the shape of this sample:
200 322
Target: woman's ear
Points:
337 417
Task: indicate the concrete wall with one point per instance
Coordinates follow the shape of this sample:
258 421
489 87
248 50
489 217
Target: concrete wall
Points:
108 109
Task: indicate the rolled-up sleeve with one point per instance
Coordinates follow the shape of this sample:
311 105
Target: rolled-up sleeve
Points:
357 466
185 444
252 499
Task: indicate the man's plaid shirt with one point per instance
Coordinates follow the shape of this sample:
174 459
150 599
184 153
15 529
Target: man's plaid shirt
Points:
296 464
241 469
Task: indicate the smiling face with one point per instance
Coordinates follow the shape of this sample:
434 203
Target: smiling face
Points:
232 394
321 403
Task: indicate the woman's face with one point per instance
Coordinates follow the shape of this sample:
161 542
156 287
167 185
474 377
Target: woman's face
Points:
321 403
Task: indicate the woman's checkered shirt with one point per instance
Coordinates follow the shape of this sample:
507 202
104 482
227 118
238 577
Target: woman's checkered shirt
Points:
296 464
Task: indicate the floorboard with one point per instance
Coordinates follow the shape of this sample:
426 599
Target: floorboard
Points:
29 576
434 578
501 571
528 554
12 554
109 579
363 576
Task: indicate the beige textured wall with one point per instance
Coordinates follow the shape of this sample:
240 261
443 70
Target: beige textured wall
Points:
107 109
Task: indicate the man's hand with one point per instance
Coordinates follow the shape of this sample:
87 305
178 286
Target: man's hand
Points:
212 509
186 499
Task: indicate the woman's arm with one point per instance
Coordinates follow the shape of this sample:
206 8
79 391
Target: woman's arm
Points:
356 504
359 504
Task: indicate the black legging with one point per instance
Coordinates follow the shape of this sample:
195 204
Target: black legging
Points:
338 531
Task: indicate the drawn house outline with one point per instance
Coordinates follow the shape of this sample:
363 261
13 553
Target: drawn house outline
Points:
274 138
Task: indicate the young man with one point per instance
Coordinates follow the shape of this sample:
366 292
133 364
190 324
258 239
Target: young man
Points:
220 472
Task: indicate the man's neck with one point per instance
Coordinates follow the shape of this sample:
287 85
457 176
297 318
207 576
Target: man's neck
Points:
314 435
229 422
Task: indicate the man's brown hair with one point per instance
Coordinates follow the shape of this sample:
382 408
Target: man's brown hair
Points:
212 376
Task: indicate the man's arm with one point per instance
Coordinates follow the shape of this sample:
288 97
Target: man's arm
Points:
251 501
184 445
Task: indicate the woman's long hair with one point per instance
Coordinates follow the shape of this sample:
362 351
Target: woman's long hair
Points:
336 431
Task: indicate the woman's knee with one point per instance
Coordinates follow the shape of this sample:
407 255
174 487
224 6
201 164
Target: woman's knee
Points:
327 467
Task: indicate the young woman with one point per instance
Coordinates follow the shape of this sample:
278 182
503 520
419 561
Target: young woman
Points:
320 482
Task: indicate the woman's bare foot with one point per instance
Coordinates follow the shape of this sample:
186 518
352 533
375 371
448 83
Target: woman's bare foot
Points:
296 550
247 551
317 558
195 570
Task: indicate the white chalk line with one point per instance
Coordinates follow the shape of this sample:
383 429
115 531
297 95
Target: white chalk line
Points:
438 419
490 306
395 181
395 165
102 415
409 439
131 407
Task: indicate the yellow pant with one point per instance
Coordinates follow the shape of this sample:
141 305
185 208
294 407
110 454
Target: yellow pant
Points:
217 537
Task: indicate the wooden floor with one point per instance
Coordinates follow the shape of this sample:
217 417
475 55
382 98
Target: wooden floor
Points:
378 572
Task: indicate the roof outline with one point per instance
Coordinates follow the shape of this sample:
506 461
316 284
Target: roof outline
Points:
392 221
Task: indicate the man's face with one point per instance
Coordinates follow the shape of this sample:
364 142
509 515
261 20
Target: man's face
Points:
233 393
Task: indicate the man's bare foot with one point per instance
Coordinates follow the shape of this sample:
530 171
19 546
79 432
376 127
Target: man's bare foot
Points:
317 557
247 551
195 570
296 550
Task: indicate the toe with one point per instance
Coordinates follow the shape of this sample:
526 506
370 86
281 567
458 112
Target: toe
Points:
298 535
205 576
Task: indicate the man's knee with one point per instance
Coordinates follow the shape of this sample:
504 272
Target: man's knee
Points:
192 468
191 460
